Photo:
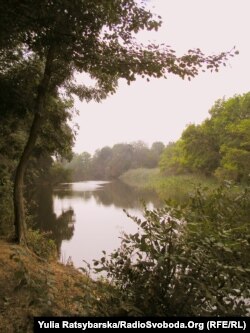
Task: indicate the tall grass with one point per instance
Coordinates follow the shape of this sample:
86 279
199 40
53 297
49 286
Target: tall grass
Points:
176 187
141 178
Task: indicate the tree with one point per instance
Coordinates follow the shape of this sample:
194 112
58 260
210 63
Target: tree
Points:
17 91
94 37
143 156
122 157
201 147
79 167
172 160
219 146
156 151
100 162
230 119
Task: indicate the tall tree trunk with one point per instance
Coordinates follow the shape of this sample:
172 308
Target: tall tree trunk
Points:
18 200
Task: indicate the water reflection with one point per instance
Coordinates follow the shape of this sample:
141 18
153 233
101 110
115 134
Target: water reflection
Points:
108 193
123 196
87 217
60 227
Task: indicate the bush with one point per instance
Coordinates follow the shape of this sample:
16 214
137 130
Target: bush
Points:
190 261
41 244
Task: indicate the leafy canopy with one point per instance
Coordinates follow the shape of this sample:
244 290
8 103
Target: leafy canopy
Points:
219 146
94 37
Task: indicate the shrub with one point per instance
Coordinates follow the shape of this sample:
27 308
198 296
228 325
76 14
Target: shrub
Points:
190 261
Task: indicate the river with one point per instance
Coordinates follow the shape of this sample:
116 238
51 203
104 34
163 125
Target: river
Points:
86 218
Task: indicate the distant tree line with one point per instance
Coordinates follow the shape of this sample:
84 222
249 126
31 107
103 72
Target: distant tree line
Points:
220 146
110 163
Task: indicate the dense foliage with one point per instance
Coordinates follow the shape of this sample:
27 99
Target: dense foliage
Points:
191 260
17 91
220 146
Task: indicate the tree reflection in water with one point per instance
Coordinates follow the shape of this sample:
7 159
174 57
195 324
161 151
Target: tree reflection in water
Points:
60 227
123 196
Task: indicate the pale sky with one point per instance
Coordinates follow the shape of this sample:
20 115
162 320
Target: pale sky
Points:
160 110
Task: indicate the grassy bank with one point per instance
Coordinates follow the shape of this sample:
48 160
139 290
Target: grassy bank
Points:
167 187
32 287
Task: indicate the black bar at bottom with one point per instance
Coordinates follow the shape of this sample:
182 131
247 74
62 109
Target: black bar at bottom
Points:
77 324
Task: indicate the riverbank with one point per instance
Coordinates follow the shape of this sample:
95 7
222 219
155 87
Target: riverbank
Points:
31 287
176 187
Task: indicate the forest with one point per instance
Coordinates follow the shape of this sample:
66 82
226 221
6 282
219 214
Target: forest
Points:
187 259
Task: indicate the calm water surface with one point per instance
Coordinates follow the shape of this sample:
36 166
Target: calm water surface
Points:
86 218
